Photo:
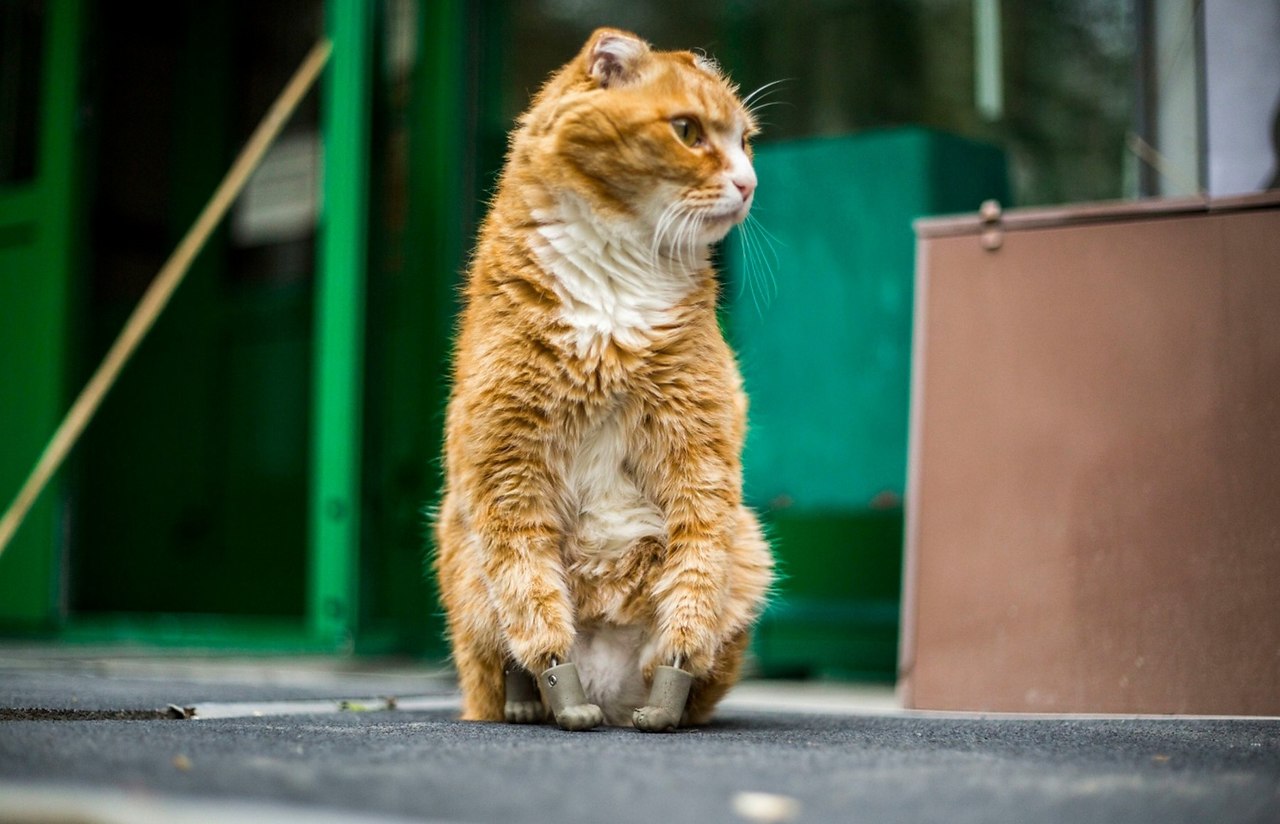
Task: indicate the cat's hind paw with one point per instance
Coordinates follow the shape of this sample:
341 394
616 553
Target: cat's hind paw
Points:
524 712
522 705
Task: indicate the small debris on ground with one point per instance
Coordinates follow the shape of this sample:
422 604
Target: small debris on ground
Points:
766 808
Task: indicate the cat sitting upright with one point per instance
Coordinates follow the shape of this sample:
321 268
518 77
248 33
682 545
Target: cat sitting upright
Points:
592 538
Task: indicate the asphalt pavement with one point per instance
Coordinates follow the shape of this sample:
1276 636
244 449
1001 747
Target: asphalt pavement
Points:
88 739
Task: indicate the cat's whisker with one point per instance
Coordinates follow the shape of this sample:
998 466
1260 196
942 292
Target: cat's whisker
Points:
764 261
695 240
664 222
762 105
655 245
681 241
746 260
677 243
668 239
746 101
767 234
753 269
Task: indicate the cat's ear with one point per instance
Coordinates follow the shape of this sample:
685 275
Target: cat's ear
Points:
613 57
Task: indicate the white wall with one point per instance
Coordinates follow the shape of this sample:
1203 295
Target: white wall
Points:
1242 93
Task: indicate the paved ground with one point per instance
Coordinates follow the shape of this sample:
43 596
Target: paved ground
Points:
833 754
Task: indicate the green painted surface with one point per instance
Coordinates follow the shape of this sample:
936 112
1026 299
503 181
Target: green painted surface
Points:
824 338
38 253
417 255
336 499
840 578
827 353
190 485
236 634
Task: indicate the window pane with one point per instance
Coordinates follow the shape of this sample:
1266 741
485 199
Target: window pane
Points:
1063 76
21 52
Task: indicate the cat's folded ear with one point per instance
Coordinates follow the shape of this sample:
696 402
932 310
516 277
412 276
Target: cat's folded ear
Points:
613 57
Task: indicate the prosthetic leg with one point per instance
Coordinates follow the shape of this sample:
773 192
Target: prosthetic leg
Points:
562 690
667 698
522 704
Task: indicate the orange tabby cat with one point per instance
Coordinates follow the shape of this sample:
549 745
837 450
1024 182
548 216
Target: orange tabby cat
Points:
593 503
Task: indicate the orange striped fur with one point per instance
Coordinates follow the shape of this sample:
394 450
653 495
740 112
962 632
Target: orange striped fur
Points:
593 499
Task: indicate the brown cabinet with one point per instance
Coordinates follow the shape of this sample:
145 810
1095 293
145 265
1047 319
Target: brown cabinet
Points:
1093 517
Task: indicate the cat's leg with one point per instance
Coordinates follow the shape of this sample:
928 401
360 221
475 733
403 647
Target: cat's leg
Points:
750 575
536 633
708 690
693 477
518 554
694 487
480 679
474 635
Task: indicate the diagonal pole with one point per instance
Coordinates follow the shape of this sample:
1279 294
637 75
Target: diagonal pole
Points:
161 289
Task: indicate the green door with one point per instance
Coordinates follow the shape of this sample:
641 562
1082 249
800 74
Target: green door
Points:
39 57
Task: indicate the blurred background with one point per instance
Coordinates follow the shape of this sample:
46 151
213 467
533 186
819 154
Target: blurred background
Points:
259 478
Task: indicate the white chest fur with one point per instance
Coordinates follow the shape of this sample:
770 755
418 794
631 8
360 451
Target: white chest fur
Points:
612 511
612 285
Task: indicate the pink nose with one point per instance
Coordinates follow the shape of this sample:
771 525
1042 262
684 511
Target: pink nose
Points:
745 189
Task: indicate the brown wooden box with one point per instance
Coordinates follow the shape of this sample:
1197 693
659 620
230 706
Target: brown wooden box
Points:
1093 519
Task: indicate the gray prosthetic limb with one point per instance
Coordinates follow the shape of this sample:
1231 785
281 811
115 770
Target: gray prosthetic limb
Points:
522 704
563 692
667 698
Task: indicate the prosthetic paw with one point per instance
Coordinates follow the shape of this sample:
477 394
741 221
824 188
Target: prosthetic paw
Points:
522 705
563 691
667 698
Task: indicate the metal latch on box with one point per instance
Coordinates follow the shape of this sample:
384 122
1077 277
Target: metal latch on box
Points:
992 230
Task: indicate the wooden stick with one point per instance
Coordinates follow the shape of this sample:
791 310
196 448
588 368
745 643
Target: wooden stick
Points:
161 289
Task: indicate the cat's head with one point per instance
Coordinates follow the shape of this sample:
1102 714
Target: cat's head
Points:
651 141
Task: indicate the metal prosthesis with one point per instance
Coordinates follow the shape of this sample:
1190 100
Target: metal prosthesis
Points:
563 691
667 698
522 704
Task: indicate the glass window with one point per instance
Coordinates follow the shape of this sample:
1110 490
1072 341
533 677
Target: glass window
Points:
21 53
1052 83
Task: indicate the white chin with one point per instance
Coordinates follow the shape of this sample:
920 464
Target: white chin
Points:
713 231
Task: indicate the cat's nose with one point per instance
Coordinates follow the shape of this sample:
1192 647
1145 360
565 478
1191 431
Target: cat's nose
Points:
745 188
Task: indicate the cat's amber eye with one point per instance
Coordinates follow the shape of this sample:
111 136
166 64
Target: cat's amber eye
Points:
688 130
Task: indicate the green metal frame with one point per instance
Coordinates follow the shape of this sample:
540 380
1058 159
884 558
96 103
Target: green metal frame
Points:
417 216
48 206
339 329
334 496
38 220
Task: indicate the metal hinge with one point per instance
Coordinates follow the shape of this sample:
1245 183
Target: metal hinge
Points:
991 216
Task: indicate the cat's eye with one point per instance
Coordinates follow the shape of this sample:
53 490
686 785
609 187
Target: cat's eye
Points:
688 130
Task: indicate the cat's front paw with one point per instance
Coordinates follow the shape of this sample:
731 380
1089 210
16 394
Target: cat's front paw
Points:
655 719
580 717
563 691
524 712
668 695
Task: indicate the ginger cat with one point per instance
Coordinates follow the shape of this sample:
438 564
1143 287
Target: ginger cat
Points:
592 518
